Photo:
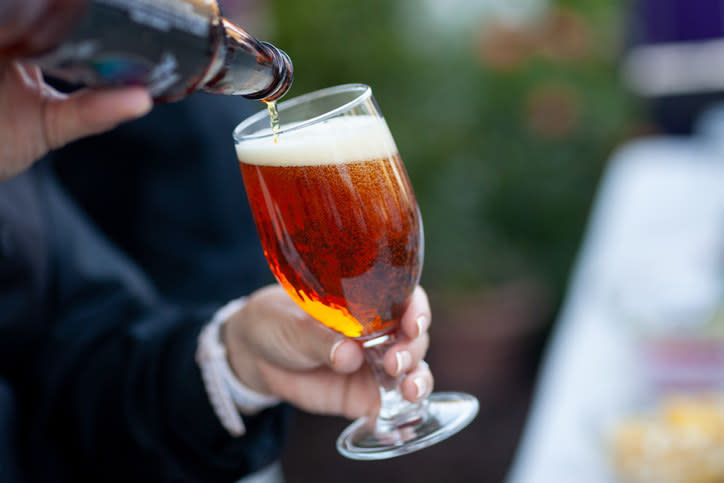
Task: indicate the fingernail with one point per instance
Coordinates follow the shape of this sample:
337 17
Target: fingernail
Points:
422 321
333 351
404 359
136 101
421 384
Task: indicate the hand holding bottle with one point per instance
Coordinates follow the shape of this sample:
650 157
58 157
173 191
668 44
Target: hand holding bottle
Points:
35 118
170 48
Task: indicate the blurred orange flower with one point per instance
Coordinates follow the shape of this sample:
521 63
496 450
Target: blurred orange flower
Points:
564 35
561 35
505 48
553 110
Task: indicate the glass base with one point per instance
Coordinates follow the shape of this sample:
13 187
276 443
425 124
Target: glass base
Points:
446 414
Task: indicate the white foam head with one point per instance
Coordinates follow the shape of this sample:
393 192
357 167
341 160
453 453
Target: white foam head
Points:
334 141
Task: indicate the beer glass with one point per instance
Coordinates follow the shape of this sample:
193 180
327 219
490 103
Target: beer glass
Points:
341 230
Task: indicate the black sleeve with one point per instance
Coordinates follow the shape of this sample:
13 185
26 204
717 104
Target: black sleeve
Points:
9 469
117 393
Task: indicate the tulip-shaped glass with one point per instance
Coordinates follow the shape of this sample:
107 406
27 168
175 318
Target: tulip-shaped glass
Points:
341 230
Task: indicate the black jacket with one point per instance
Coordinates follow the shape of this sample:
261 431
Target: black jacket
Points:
113 254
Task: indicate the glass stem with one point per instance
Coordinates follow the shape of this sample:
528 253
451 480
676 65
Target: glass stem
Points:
395 410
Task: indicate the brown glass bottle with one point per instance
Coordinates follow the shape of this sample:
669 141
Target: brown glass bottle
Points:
173 47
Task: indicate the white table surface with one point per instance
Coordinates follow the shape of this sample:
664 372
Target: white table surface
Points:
659 213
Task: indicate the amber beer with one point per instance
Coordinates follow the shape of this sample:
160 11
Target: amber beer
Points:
338 221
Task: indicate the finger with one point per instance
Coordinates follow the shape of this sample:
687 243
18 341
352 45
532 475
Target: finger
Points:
17 18
418 384
27 74
416 319
406 354
32 76
322 391
91 112
346 356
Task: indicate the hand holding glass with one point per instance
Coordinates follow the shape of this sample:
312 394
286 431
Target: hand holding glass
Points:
341 229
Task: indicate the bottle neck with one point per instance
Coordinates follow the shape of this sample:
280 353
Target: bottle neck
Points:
250 68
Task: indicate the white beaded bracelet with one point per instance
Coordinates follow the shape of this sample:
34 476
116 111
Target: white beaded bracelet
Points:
227 394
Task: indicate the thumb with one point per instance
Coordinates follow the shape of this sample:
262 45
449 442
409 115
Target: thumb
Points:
90 112
333 349
306 343
278 329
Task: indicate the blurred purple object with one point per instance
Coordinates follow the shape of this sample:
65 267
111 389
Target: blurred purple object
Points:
675 59
676 363
659 21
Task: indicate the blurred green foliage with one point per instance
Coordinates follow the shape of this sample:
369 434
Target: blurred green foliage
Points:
504 132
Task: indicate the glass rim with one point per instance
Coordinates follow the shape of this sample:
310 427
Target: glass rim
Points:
365 92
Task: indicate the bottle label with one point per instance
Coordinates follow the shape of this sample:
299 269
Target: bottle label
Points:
164 45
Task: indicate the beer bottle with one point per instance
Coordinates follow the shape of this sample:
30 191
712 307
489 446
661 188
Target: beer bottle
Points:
172 47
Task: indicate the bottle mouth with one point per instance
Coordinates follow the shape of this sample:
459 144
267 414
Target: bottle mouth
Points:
283 75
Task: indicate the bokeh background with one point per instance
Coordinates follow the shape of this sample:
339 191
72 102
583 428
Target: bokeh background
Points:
505 113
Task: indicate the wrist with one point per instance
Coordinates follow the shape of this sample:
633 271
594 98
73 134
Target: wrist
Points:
227 394
240 358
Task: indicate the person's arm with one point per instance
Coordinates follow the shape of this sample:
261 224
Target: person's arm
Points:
9 461
118 389
118 395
